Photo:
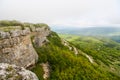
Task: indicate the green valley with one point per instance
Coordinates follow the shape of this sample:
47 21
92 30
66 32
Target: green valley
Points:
65 65
104 51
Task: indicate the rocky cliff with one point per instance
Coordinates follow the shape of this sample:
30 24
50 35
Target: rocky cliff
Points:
16 45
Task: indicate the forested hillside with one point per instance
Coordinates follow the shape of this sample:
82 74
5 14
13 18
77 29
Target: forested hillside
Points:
105 52
65 65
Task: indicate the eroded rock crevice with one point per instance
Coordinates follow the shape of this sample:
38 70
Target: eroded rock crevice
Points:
46 69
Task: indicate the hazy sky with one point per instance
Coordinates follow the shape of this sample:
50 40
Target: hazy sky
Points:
63 12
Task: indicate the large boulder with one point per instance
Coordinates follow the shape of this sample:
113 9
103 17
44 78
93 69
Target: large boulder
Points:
26 31
15 33
4 34
13 72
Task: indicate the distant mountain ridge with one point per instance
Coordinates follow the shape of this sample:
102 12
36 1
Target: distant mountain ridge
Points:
93 31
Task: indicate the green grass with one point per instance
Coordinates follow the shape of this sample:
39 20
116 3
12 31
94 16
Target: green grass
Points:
8 28
64 65
68 37
104 51
6 25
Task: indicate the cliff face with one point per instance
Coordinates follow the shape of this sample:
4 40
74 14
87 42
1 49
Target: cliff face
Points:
16 45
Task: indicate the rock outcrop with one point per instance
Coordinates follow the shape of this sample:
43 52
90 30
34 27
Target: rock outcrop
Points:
40 36
16 45
12 72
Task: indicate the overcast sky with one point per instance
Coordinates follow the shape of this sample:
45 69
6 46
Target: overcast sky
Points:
79 13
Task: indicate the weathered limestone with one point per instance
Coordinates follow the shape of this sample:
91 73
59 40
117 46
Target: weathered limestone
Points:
4 34
14 33
40 37
16 45
19 51
12 72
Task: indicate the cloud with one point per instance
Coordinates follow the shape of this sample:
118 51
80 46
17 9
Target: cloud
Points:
62 12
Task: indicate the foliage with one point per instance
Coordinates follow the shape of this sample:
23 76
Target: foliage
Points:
67 66
105 52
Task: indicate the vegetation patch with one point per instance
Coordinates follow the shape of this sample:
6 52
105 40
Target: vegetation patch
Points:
7 25
65 65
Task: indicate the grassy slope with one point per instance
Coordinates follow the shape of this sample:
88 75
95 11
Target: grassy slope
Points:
66 66
105 52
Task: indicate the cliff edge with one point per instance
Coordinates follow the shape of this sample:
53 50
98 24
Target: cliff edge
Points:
16 45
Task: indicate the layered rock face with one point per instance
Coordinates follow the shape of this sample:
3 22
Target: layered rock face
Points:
12 72
16 45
